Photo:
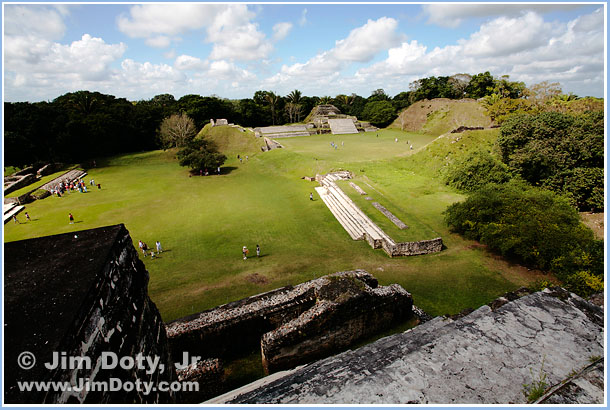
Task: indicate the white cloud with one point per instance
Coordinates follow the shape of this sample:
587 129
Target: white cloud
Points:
281 30
364 42
34 21
228 26
150 20
361 45
525 47
185 63
158 41
303 19
235 37
87 58
504 36
452 15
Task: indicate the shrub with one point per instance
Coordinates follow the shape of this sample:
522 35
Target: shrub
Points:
379 113
475 170
533 225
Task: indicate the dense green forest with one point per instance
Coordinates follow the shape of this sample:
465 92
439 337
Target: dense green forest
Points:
81 125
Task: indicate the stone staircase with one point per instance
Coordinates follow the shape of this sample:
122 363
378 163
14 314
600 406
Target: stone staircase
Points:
8 210
354 221
283 131
342 126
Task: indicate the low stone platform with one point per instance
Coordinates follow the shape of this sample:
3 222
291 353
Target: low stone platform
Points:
482 358
360 227
282 131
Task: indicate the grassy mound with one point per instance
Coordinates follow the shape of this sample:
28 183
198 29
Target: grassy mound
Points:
441 115
231 140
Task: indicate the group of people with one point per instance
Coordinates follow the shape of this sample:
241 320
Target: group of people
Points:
27 217
69 186
245 251
241 159
335 146
144 248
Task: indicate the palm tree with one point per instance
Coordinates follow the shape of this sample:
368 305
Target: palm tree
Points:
273 100
294 107
327 99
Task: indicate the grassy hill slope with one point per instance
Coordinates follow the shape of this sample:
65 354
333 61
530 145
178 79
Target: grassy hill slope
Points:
231 140
441 115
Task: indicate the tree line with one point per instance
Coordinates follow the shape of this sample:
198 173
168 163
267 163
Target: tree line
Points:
80 125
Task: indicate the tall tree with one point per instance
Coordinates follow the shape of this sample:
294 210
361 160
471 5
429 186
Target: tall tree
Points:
273 101
177 130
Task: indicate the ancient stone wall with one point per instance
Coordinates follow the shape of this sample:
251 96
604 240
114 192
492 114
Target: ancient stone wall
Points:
228 330
91 289
296 324
20 183
413 248
120 318
333 325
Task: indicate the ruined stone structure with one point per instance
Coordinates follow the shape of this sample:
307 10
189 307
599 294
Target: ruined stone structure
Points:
81 294
485 357
323 119
218 122
271 144
361 227
400 224
295 324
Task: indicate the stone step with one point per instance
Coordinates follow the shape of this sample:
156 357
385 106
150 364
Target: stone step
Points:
287 134
367 224
342 126
14 211
356 227
347 224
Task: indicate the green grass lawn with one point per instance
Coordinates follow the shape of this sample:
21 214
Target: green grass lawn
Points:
203 222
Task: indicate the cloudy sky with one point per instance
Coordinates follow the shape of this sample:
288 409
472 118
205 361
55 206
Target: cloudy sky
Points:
137 51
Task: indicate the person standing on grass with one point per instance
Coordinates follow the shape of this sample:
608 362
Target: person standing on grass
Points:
258 251
244 251
71 218
15 219
158 245
27 217
311 196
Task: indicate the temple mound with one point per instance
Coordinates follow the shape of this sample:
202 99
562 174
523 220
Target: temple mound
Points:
323 119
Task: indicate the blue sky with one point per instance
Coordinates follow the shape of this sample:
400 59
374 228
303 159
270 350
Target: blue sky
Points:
137 51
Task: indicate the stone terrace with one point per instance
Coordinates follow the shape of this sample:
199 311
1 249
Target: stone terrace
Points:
282 131
359 226
483 358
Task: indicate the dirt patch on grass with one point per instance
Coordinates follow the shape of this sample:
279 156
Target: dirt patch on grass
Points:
595 222
257 279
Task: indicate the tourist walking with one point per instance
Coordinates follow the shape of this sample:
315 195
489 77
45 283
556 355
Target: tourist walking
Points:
158 245
15 219
244 251
311 196
27 217
71 218
258 251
